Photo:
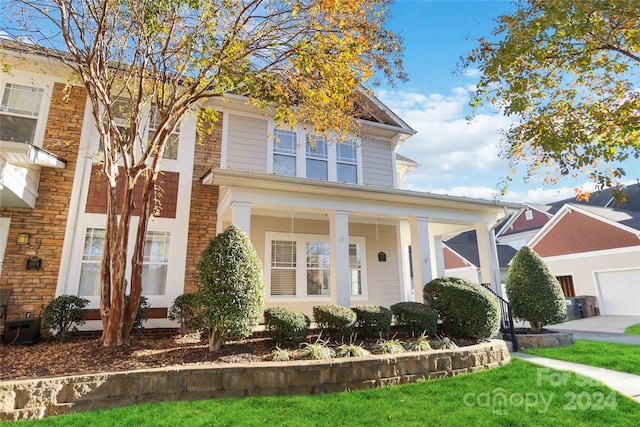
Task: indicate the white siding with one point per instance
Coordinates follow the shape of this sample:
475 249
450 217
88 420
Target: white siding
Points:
247 143
377 163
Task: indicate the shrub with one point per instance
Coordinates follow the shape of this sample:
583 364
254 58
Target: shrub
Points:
231 287
187 310
337 322
372 320
65 313
414 318
391 346
286 326
534 293
466 309
141 314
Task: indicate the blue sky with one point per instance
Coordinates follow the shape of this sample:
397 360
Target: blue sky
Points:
458 157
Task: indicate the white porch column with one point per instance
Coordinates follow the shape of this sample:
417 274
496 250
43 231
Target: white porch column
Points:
339 237
439 253
404 241
423 255
488 252
241 215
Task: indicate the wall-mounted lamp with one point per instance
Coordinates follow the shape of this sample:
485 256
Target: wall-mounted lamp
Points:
23 238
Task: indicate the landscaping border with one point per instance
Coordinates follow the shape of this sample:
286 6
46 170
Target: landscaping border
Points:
38 398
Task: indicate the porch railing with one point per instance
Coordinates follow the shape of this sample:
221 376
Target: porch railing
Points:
506 318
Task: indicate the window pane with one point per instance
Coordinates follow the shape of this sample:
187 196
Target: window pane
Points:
283 253
356 282
93 244
317 148
346 152
318 254
91 262
318 282
89 280
354 256
317 169
155 262
284 165
17 129
347 173
283 282
284 141
23 100
154 279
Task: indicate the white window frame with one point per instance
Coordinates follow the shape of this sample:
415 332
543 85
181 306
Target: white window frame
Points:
47 91
301 267
301 153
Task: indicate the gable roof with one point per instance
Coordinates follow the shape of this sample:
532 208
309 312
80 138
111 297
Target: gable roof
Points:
517 223
466 246
609 228
604 198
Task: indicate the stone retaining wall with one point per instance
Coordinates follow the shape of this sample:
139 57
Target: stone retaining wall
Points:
555 339
38 398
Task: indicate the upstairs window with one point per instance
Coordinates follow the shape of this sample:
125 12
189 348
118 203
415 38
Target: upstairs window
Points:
285 145
171 147
317 158
347 162
19 113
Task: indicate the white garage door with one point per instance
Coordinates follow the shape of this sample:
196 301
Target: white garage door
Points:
619 292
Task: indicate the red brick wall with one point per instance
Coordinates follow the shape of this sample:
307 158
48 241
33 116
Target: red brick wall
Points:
45 223
204 202
576 232
453 260
97 194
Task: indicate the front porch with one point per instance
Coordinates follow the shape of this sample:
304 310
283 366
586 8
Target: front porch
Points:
329 243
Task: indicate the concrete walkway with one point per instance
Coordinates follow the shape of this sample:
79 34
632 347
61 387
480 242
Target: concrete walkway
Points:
622 382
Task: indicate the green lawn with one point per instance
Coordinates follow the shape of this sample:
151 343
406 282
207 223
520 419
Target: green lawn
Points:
633 329
619 357
532 396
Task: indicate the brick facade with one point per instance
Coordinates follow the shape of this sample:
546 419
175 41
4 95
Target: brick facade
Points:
576 233
204 203
46 223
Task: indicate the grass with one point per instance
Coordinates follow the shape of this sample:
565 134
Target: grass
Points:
619 357
533 396
633 329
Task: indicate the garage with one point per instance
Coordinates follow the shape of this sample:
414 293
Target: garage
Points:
619 292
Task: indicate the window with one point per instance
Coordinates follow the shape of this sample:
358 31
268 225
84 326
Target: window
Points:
154 268
528 215
171 147
285 147
91 261
317 158
318 268
347 162
355 269
122 112
283 267
19 113
155 262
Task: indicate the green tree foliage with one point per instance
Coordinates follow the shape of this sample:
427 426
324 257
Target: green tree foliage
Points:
64 314
566 70
302 60
231 287
466 309
533 291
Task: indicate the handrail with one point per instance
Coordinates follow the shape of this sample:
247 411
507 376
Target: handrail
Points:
506 321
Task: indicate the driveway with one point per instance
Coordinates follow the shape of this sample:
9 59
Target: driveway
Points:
601 328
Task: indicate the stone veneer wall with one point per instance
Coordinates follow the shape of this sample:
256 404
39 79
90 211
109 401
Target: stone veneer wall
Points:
30 399
46 223
204 203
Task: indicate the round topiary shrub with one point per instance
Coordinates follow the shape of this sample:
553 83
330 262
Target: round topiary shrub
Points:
415 319
372 320
286 326
466 309
533 291
64 314
335 321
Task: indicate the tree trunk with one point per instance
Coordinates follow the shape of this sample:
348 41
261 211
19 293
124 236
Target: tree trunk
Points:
216 339
536 328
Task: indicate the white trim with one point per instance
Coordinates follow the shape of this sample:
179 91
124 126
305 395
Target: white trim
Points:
225 139
604 252
5 224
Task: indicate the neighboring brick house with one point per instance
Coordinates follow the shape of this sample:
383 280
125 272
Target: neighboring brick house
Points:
328 221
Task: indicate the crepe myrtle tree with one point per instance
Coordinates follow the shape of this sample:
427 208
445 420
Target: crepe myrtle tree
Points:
566 72
231 289
533 291
302 60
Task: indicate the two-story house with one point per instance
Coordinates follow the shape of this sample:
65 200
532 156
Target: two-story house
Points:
328 220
